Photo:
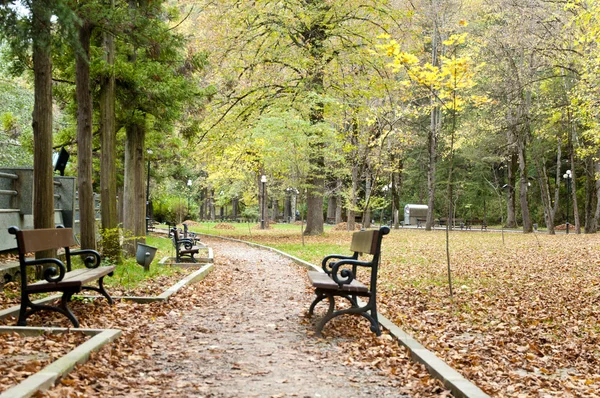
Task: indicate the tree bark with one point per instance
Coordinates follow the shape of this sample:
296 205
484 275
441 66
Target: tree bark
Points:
597 212
108 163
353 199
134 210
590 184
87 219
574 181
331 207
366 218
523 184
43 188
542 180
511 213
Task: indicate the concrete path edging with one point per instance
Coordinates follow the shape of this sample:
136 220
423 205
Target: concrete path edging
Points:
48 376
453 380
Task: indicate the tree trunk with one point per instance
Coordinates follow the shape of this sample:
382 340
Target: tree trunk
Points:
590 191
511 213
574 183
366 218
396 189
523 184
211 205
134 210
331 207
83 94
108 167
314 200
431 166
545 195
597 172
338 208
557 177
43 188
353 199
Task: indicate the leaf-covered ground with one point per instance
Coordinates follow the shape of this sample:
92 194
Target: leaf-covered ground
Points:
22 356
525 316
242 332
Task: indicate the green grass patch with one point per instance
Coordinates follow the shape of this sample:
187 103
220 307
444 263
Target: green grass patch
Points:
131 275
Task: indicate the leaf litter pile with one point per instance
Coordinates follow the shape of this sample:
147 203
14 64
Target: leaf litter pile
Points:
241 332
525 319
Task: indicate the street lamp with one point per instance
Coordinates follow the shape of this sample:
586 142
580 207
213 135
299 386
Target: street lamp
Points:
148 213
568 176
263 181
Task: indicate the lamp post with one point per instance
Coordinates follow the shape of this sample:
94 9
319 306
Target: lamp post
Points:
149 152
568 176
263 181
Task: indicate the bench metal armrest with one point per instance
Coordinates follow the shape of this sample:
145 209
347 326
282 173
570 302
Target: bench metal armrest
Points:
186 242
50 273
347 275
92 261
327 267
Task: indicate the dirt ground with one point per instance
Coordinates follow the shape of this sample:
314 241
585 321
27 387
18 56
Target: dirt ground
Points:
243 332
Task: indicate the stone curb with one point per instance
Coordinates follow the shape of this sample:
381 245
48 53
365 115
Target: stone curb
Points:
48 376
452 380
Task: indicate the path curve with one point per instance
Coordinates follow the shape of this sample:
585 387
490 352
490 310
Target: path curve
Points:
245 334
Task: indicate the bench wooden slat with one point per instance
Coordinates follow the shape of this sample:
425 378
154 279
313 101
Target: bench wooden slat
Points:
74 279
322 281
364 242
36 240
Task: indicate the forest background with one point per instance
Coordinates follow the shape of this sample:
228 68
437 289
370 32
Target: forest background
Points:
475 108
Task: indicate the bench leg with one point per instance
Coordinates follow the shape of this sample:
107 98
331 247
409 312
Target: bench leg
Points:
62 308
65 310
330 315
100 289
362 311
320 297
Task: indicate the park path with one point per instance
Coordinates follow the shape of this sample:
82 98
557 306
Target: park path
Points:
242 332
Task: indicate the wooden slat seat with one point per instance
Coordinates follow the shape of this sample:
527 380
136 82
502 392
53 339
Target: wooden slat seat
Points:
59 277
75 279
338 279
322 281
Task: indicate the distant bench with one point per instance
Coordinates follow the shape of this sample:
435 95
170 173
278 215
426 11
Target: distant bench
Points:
339 281
476 221
184 247
58 277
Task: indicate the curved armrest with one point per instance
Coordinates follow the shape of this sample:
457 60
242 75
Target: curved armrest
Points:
50 272
327 267
92 261
347 275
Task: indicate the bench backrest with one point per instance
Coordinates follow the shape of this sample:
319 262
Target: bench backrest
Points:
35 240
365 242
369 242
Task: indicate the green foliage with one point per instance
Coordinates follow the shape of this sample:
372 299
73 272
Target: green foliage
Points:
110 245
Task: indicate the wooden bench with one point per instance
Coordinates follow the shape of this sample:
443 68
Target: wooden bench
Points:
187 234
184 247
476 221
57 276
339 279
454 222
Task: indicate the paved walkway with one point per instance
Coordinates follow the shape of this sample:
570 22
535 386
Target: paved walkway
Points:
246 336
